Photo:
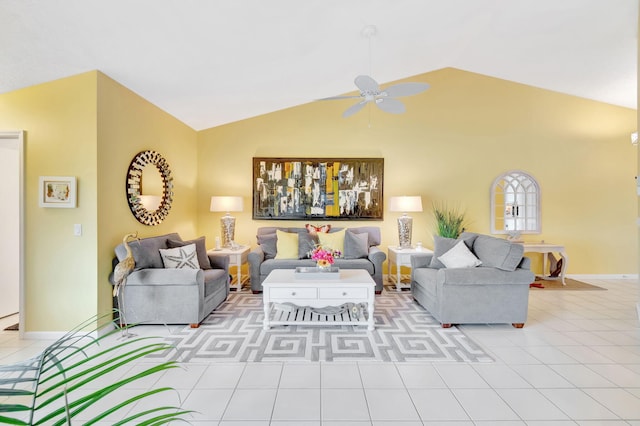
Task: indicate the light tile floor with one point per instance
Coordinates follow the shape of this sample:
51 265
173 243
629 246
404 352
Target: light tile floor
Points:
576 362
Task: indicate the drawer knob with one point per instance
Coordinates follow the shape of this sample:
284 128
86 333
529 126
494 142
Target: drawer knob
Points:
344 293
293 293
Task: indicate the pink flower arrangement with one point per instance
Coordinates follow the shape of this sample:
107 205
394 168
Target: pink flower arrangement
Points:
324 257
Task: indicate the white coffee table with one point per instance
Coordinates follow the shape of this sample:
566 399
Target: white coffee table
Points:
298 296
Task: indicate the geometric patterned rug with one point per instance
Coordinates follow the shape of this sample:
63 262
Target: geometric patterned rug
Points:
404 332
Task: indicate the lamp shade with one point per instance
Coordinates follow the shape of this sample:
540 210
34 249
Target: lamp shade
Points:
226 204
405 204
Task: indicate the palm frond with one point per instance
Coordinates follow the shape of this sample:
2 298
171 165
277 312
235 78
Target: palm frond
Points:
55 382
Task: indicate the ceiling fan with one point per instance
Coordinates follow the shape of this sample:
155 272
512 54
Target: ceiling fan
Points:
385 99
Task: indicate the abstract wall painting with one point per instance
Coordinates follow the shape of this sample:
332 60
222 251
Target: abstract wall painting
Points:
318 188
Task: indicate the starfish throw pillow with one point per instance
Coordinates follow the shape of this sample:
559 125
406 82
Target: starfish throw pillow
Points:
184 257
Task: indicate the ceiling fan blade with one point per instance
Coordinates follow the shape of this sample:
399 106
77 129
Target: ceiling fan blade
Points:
353 109
391 105
405 89
332 98
367 84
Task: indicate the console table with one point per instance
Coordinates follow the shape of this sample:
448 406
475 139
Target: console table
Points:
545 248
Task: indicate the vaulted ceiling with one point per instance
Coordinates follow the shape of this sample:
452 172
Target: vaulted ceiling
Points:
210 62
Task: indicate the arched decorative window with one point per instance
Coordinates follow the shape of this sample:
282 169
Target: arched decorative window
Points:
515 204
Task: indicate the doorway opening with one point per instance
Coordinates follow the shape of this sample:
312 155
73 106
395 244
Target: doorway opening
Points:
12 220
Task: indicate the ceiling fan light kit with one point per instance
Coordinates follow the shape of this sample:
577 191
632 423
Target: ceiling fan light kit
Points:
370 91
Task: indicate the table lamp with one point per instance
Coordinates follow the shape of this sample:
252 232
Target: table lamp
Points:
227 222
405 222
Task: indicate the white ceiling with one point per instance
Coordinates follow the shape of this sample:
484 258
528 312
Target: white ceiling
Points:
210 62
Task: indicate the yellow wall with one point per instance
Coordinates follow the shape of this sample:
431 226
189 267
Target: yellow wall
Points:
450 145
60 121
127 125
90 127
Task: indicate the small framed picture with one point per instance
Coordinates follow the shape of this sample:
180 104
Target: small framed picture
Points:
57 192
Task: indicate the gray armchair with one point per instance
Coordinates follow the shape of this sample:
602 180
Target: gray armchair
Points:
495 292
155 295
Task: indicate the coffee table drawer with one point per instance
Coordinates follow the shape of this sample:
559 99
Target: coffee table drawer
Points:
293 293
343 293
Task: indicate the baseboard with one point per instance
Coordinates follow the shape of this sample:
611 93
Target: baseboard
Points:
603 276
43 335
55 335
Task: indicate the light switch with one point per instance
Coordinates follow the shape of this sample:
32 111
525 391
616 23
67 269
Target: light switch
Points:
77 229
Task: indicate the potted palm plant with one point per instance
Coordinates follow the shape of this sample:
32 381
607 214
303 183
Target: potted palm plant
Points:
450 220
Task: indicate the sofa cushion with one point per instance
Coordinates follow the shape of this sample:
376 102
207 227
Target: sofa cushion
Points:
286 245
145 257
498 253
333 240
459 257
201 249
145 251
363 263
306 243
373 232
484 275
272 264
184 257
356 246
443 245
268 245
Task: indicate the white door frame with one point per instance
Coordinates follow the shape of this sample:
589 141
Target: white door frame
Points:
9 138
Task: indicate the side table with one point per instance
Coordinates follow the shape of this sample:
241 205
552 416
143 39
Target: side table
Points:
237 258
401 257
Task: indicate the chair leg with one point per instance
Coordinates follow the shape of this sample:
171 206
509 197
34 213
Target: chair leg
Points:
518 324
194 325
446 325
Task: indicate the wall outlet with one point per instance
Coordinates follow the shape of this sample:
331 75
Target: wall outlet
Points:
77 230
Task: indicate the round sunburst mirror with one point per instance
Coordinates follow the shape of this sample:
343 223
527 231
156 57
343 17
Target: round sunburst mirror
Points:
149 209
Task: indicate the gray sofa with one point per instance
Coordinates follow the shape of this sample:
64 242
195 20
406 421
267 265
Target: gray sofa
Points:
497 291
155 295
262 258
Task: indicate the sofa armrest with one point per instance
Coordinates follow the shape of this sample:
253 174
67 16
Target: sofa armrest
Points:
422 260
219 262
525 263
168 276
255 259
376 256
